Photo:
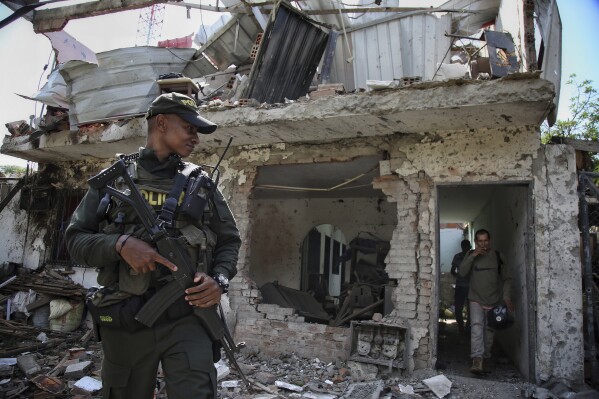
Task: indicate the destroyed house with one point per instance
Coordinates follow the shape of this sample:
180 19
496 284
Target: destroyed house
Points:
367 141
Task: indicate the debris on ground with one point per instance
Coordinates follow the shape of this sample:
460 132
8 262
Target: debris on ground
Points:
39 360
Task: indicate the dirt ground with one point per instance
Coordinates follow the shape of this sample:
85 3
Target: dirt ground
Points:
504 381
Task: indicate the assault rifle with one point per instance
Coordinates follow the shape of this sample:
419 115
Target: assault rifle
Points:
174 250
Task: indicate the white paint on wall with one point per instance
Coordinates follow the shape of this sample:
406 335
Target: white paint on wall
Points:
450 240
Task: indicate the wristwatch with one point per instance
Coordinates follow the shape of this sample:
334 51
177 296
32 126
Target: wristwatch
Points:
222 281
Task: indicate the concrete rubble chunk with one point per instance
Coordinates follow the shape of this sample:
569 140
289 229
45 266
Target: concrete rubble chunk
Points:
230 384
439 384
289 387
87 385
77 370
265 378
363 371
28 364
406 389
222 370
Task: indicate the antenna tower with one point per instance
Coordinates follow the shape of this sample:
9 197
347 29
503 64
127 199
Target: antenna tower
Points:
149 25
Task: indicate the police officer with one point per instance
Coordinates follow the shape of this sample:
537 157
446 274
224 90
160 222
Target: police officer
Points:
130 270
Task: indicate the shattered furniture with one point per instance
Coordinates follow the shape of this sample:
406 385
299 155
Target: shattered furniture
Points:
368 290
379 343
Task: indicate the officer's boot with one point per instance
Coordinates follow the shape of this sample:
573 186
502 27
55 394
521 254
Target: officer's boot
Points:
477 365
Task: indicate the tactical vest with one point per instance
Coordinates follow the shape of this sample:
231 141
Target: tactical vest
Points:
120 279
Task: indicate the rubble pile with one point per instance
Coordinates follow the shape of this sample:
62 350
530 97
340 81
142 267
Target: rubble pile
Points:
47 350
72 369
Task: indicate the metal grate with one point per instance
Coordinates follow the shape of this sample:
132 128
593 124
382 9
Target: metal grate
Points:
364 390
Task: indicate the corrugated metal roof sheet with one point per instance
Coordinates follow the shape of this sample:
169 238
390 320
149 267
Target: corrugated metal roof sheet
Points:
406 47
123 82
289 54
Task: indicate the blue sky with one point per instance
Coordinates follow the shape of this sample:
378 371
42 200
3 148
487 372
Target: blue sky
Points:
580 47
24 53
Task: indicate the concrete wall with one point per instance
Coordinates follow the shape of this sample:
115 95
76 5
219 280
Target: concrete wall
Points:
417 163
283 225
22 236
516 156
559 346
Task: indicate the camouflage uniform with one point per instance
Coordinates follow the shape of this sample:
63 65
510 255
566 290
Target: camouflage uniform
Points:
177 340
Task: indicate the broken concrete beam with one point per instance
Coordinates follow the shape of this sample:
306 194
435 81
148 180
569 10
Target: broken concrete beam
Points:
289 387
28 364
77 370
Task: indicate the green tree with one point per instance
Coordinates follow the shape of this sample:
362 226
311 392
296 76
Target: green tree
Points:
12 170
583 122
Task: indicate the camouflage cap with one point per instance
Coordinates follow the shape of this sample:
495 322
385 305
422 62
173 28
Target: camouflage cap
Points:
183 106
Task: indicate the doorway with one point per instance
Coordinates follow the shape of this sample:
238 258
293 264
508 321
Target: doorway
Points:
505 211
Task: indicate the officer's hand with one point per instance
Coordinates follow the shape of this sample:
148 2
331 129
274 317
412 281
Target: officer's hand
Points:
142 257
206 293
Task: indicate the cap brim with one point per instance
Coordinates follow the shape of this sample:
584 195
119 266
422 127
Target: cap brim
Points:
204 125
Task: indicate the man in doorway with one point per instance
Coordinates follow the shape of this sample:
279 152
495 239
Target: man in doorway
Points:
490 284
462 285
112 239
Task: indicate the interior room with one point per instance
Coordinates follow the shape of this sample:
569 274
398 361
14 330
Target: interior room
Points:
504 210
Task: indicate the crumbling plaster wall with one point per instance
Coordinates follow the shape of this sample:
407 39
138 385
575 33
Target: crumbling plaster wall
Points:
419 162
28 235
560 351
284 223
266 327
416 164
13 222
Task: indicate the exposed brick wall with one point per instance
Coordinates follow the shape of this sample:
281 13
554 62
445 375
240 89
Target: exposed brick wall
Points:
410 260
292 334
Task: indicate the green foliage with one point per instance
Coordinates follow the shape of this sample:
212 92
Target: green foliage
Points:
583 123
12 170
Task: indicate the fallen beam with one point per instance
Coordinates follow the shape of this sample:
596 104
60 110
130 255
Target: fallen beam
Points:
55 19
